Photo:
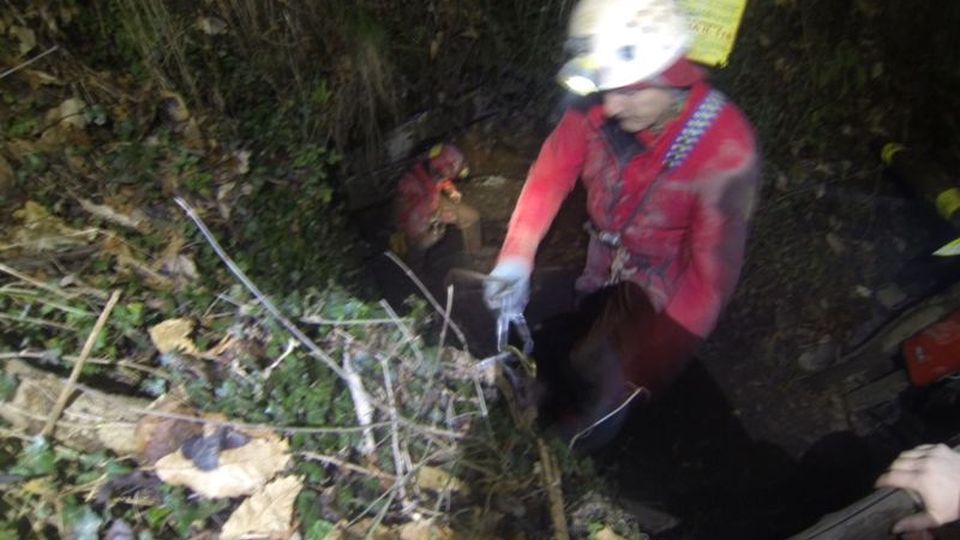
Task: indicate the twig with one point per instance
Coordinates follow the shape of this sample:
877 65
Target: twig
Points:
346 465
38 322
361 402
35 297
17 68
433 301
446 319
349 322
236 271
27 279
77 367
37 355
610 414
407 334
291 345
551 481
398 461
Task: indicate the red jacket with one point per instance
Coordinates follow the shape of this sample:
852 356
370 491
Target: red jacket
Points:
684 227
418 199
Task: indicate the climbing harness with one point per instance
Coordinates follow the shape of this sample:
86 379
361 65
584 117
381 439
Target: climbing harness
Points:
680 149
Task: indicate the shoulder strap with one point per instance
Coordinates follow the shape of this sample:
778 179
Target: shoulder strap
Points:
698 124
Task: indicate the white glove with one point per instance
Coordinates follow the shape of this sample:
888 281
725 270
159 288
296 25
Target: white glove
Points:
507 288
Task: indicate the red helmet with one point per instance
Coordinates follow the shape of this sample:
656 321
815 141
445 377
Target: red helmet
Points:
447 161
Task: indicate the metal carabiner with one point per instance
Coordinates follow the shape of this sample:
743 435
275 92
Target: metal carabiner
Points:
517 320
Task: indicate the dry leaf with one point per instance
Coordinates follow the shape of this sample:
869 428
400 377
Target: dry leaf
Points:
242 158
607 533
36 78
241 471
69 113
135 220
435 46
173 335
26 37
436 479
7 176
266 512
360 530
211 26
180 268
174 107
223 193
117 247
425 530
40 486
44 232
157 436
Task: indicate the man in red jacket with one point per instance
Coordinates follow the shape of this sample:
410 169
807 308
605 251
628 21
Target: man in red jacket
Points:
670 169
428 201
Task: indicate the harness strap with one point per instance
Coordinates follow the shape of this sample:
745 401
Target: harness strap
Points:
680 149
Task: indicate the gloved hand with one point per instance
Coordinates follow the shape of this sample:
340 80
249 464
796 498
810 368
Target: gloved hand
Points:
507 288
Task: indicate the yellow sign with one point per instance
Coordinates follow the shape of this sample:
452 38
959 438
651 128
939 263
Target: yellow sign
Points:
714 24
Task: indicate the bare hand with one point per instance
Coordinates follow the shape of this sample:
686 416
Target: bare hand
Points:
933 473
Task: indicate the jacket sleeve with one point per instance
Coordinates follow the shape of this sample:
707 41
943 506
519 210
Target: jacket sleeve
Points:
551 177
717 239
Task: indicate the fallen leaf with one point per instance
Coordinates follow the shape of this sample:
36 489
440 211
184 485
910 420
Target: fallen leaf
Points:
42 487
7 176
41 231
174 106
425 530
211 26
36 78
26 37
135 220
178 267
240 471
243 161
117 247
435 44
157 436
607 533
361 529
223 194
266 512
69 113
435 479
173 335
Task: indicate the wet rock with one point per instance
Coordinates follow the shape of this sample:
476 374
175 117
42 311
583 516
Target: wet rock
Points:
891 296
836 244
819 357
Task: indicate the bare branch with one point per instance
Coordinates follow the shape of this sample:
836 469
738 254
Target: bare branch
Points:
78 366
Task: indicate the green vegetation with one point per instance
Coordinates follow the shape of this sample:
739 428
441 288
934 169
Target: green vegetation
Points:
259 113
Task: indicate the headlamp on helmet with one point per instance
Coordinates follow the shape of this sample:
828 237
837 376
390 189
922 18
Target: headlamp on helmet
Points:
617 43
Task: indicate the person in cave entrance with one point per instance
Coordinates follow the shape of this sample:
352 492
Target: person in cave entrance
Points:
428 201
671 170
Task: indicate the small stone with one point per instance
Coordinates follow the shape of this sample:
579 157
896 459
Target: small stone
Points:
836 244
821 356
891 296
862 291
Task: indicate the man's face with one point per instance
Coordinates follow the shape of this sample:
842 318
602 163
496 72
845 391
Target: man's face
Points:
636 109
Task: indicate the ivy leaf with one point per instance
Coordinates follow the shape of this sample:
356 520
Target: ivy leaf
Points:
83 522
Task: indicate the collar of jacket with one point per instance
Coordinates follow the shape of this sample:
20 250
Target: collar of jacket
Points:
648 139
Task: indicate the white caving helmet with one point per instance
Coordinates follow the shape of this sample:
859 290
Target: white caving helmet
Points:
617 43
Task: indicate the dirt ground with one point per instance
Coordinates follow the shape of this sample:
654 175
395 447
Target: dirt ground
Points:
745 446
